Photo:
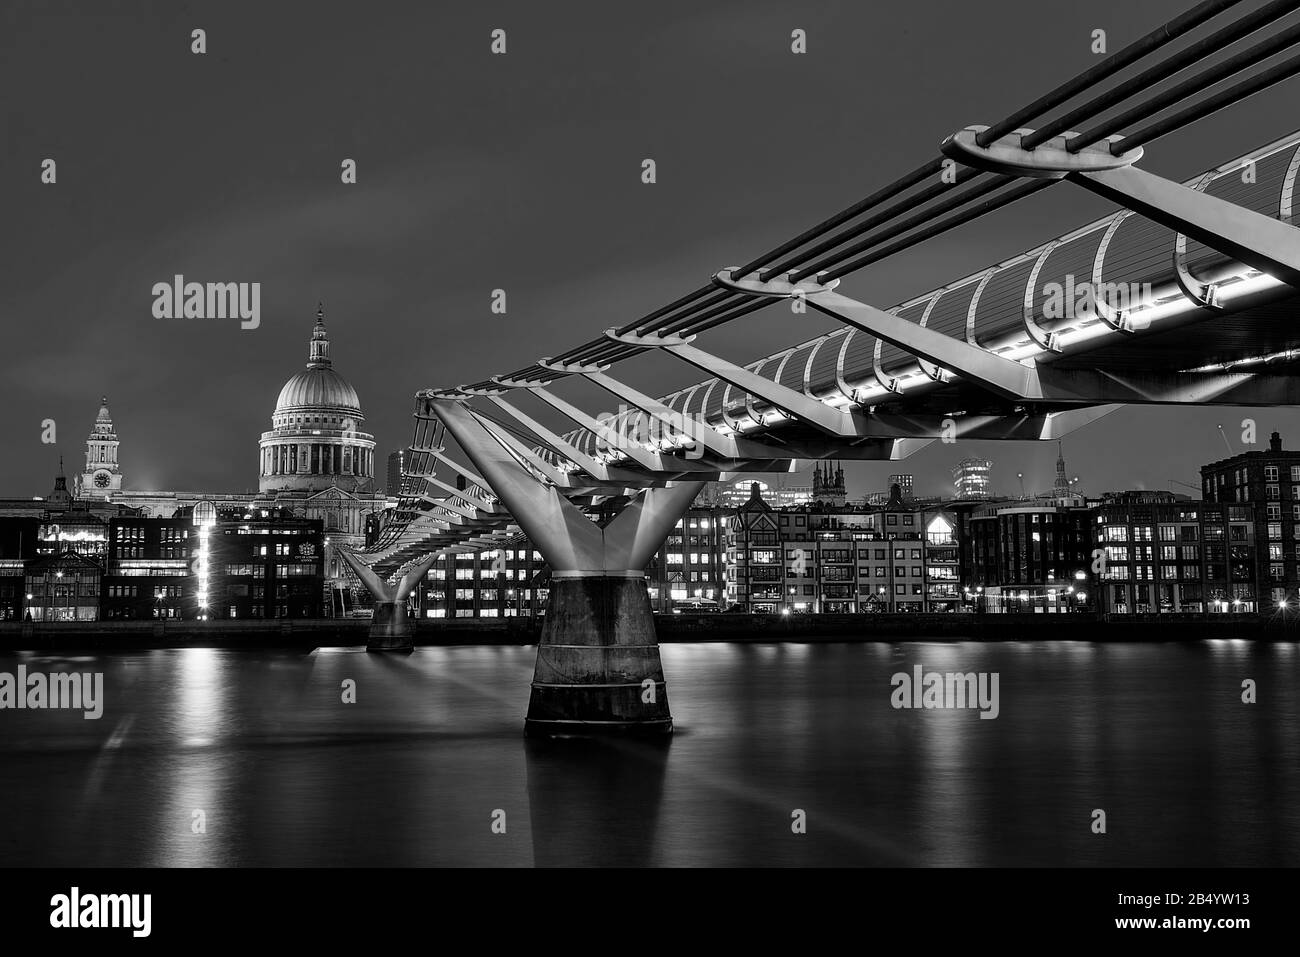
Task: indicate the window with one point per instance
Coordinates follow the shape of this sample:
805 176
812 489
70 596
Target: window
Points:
1270 473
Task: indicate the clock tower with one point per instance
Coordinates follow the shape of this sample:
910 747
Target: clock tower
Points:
103 475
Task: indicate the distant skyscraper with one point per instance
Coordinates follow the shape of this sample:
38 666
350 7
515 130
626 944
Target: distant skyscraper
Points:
970 477
395 462
904 483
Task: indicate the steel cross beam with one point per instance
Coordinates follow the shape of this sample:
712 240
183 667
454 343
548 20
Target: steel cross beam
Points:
694 428
998 374
667 466
793 404
1260 241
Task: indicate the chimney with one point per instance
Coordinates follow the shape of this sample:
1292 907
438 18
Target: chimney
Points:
1275 442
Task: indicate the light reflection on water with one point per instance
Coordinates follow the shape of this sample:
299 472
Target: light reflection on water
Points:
285 773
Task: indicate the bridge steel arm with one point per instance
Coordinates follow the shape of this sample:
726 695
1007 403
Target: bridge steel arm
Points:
795 405
692 427
1260 241
668 466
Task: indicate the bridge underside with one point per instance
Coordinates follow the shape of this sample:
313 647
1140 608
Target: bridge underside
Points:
1196 304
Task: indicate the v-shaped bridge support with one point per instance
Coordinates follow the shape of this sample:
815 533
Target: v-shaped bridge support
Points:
392 628
598 666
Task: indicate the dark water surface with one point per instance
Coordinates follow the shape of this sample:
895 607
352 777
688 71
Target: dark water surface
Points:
286 774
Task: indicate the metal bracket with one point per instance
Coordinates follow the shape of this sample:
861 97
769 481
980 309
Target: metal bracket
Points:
779 288
1049 160
568 368
651 341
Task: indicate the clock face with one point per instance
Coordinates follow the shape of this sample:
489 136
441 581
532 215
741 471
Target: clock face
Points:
101 480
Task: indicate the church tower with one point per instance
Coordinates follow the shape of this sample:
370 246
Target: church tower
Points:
103 475
1062 486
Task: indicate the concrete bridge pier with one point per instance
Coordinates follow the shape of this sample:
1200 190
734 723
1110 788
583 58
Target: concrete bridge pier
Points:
392 628
598 668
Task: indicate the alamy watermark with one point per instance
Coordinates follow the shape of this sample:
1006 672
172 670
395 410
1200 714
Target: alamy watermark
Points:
75 909
62 690
1071 300
179 299
934 689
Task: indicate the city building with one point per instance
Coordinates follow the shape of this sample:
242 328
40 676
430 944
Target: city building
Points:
828 485
1156 554
214 564
62 587
1268 481
316 440
504 582
904 482
689 571
843 559
103 475
1029 557
737 494
315 464
970 478
396 460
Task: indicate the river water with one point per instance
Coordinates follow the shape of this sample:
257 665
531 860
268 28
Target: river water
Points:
235 758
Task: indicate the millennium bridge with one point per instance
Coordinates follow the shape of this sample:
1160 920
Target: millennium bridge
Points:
1186 294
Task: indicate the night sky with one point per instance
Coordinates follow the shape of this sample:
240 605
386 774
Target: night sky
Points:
478 172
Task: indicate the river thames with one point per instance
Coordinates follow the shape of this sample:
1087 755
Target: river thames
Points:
236 758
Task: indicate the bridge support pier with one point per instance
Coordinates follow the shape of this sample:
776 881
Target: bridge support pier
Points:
598 667
392 628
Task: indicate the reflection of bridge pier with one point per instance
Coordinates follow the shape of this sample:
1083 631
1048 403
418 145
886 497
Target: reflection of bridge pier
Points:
596 802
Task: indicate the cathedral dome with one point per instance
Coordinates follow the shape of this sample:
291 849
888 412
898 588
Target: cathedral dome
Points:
315 442
317 387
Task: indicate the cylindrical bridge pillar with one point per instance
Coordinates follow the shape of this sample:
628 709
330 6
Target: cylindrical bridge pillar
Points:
391 629
598 669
